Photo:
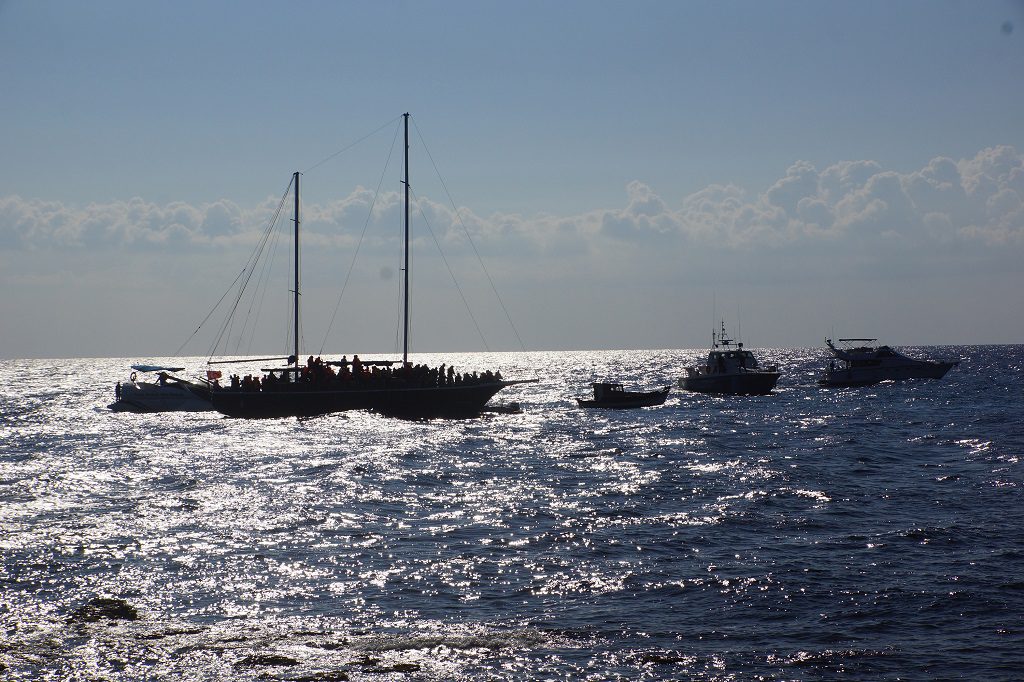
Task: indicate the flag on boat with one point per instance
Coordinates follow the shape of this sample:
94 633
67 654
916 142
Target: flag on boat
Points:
212 374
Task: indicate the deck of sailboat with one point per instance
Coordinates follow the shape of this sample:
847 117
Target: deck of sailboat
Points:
296 399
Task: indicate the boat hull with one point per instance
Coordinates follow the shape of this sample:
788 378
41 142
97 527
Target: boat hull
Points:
178 396
628 400
745 383
865 376
304 401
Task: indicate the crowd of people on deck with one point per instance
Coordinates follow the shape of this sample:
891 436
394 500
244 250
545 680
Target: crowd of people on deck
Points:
358 374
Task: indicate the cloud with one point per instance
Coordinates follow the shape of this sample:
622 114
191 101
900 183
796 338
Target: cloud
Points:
801 181
974 200
977 201
128 225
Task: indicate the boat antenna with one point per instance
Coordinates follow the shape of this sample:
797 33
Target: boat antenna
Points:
296 303
739 326
714 319
405 296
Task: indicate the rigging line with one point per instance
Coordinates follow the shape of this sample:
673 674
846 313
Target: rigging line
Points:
257 266
399 288
292 315
301 341
253 260
458 215
209 314
289 301
403 341
251 322
450 272
255 302
262 286
345 149
229 319
398 317
250 265
362 236
290 307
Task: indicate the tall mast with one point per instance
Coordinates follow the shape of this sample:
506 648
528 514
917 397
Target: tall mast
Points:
296 304
405 297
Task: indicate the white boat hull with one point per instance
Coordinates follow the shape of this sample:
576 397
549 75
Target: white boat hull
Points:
865 376
143 396
740 383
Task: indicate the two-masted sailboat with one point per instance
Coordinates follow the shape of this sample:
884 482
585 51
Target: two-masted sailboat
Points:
320 387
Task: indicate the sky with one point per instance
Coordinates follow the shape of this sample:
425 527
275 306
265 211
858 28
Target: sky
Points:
585 174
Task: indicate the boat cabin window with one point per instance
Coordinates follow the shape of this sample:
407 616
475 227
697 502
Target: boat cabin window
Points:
601 389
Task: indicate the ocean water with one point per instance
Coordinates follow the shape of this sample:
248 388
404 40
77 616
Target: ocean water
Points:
814 534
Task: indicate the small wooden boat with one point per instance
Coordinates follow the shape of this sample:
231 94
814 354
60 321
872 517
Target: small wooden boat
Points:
613 396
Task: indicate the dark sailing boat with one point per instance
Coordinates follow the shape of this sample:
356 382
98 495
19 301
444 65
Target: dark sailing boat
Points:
316 387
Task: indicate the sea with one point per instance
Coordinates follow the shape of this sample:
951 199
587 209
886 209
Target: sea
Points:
871 533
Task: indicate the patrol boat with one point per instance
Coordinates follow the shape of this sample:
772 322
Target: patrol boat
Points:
729 369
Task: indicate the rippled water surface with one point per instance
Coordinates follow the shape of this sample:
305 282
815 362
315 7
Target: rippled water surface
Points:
870 533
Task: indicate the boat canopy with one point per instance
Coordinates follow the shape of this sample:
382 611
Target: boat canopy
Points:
157 368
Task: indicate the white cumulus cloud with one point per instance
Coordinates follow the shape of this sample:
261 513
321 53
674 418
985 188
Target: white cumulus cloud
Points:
978 200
